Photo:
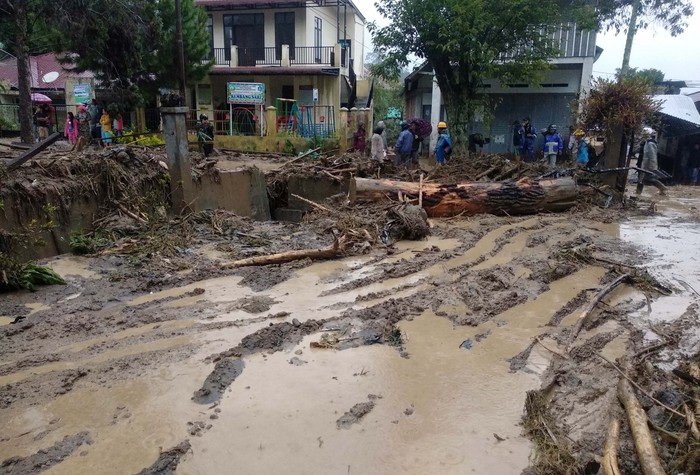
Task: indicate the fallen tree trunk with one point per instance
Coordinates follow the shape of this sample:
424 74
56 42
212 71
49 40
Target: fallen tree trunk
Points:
333 250
643 443
36 149
612 441
441 200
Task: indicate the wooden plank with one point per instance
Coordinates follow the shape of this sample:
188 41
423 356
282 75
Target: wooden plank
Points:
36 149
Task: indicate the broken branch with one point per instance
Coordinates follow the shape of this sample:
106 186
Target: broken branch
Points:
334 250
612 440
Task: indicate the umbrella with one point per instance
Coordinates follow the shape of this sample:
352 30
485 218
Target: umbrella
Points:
36 97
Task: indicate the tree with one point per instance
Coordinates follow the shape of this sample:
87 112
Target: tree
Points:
650 76
467 42
632 15
127 44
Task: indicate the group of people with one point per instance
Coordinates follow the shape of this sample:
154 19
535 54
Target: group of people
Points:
93 122
525 136
408 144
690 164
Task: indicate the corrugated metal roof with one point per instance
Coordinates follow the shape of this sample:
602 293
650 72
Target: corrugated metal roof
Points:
680 107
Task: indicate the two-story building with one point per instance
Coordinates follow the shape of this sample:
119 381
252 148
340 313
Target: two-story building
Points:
547 102
308 54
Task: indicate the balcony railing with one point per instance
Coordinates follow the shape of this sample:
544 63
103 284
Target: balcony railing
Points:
221 56
304 55
258 57
273 56
570 39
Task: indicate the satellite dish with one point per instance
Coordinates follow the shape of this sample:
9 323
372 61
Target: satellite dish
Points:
49 77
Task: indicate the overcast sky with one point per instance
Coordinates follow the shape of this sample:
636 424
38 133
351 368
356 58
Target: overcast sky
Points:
678 58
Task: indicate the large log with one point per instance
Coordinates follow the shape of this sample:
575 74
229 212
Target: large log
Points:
441 200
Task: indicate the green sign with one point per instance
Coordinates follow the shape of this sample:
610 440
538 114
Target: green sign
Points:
81 92
245 93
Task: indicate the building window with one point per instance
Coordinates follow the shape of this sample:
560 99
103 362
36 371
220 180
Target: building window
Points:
210 30
318 38
284 33
247 31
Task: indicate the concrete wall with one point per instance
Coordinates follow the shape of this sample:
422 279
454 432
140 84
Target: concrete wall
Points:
241 190
273 143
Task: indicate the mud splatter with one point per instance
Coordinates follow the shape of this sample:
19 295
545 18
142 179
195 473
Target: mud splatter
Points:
354 415
168 460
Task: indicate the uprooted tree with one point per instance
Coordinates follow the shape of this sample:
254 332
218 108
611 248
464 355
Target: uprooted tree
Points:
467 42
618 110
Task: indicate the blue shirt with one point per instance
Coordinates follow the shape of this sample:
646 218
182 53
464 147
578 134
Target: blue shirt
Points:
552 143
443 139
582 151
404 144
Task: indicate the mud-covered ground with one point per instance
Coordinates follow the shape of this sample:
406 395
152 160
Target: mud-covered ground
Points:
410 358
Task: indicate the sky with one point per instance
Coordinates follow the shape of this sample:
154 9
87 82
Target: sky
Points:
678 58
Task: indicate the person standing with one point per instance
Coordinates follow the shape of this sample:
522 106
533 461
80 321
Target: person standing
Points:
694 164
383 126
417 140
118 125
581 148
205 134
529 138
404 145
377 152
359 139
517 140
443 147
553 145
106 128
95 114
571 143
84 128
650 163
685 170
42 123
71 129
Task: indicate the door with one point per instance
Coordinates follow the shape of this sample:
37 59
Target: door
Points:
247 31
284 33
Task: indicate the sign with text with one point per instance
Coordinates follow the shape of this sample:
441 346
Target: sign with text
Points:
81 92
245 93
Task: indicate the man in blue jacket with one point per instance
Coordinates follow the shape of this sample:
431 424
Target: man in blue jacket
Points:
529 136
443 148
553 145
404 145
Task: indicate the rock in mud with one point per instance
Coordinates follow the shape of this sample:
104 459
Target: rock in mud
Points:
354 415
168 460
296 361
45 458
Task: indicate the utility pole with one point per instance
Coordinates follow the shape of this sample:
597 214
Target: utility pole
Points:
631 31
180 50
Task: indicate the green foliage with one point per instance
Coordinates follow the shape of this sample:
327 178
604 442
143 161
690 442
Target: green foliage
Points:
625 103
386 95
614 15
16 276
289 147
81 244
650 76
465 42
128 44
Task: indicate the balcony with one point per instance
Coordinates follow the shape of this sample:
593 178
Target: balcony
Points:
283 56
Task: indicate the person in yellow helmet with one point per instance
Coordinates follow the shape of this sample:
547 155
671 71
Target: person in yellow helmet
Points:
581 147
443 149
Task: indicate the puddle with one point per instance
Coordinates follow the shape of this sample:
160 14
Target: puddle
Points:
6 320
68 265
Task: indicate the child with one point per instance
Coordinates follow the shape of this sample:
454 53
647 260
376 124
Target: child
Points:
106 123
71 129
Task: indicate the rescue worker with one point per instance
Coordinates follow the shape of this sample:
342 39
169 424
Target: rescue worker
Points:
529 136
443 148
404 144
553 145
650 163
581 147
205 134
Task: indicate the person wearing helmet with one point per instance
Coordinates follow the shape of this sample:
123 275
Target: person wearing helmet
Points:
553 145
404 144
205 134
651 164
581 148
529 136
443 148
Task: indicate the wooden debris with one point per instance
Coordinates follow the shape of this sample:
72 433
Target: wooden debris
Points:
331 251
612 441
36 149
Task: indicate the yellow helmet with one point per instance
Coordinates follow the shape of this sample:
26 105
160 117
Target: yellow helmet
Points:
579 133
442 125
